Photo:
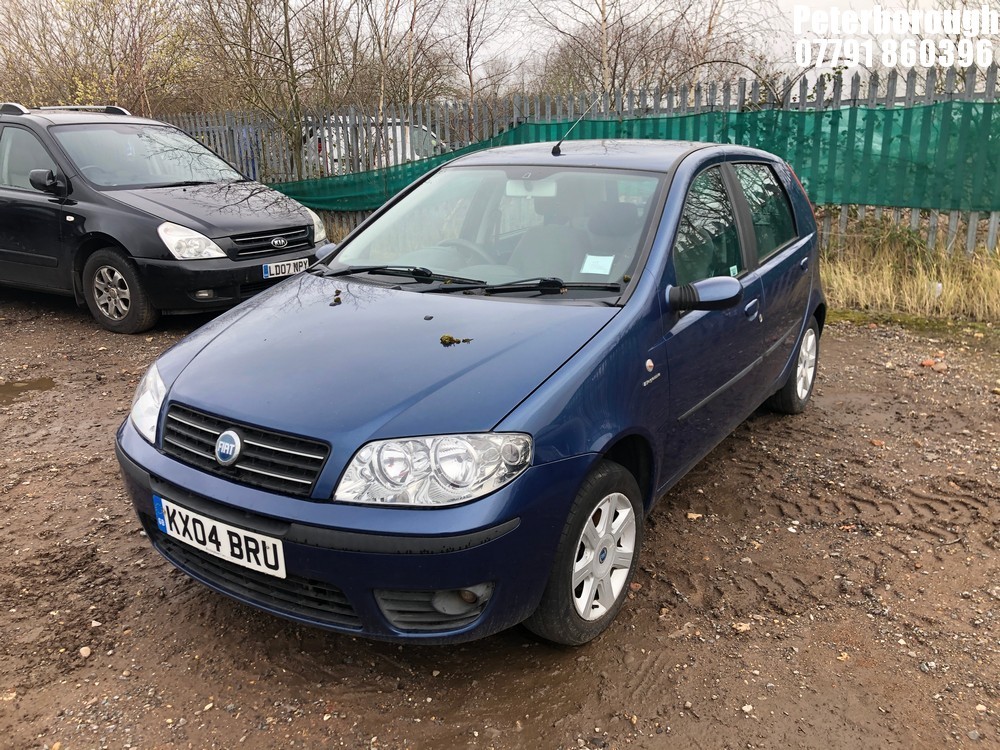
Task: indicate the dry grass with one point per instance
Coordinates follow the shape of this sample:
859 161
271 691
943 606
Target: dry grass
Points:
884 268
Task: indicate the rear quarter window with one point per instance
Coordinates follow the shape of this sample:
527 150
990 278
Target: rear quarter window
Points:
773 221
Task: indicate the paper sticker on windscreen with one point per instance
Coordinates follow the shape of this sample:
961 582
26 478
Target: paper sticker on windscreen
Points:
597 264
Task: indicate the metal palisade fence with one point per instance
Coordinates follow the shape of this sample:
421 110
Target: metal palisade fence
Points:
921 150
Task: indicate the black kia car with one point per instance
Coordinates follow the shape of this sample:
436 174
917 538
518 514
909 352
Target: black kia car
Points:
135 218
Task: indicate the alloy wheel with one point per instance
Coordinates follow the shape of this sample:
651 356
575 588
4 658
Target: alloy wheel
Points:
805 368
111 292
604 556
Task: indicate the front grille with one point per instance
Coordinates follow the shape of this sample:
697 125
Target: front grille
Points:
413 611
259 243
302 597
269 460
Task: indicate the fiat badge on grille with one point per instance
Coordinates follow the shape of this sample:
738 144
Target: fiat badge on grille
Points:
227 448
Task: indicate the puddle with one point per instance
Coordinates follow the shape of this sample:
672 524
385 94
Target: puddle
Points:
11 391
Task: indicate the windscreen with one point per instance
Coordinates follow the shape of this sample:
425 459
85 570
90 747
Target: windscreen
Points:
133 155
501 224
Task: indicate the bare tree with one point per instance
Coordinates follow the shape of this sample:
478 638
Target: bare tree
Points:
477 25
619 44
259 47
254 44
335 50
598 43
129 52
403 41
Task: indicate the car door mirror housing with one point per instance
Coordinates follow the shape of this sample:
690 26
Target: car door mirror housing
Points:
716 293
325 252
46 181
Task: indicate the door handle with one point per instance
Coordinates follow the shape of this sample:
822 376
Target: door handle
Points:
752 308
804 263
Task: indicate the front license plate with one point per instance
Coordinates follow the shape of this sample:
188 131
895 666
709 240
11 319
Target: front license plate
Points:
284 268
239 546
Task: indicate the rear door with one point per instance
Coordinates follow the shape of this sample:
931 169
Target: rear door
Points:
31 251
783 258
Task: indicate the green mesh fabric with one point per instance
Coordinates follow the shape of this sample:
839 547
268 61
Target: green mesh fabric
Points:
942 156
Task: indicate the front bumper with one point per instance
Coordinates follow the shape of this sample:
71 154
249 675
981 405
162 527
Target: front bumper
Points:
171 284
354 577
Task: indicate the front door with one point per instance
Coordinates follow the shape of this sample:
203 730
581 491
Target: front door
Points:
712 355
30 220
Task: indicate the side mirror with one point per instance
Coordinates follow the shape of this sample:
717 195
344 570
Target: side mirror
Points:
325 251
716 293
46 181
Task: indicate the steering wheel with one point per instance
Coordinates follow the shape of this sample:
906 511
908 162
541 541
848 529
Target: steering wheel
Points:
98 173
472 248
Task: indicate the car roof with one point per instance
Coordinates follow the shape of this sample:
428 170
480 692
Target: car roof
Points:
649 155
657 156
73 117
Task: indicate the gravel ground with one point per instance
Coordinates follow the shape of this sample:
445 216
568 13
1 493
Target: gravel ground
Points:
820 581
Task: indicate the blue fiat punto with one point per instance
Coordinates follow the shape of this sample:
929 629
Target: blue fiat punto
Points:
460 418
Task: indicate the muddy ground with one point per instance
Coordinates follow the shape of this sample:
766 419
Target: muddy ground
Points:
830 580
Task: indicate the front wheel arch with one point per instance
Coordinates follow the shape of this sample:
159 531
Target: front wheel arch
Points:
88 246
116 292
635 453
596 558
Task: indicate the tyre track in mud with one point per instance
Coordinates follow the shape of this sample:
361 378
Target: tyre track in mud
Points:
897 516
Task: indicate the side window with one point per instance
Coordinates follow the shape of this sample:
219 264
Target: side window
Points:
772 213
20 152
707 239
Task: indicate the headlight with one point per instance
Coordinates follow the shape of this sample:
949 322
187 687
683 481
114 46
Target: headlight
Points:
147 402
435 470
187 244
319 228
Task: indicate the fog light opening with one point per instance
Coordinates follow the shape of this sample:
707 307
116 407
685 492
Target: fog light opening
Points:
204 294
462 601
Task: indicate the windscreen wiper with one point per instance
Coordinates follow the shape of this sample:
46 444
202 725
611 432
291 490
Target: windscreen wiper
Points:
541 284
185 183
416 272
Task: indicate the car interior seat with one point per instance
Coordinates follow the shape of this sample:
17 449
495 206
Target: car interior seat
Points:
614 228
554 247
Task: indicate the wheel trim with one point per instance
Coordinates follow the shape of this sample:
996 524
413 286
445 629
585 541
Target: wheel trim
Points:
111 293
604 556
805 368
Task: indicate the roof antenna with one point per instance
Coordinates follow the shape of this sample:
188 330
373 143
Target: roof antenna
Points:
556 151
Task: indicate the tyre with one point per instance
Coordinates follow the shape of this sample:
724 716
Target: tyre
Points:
595 561
115 294
795 393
